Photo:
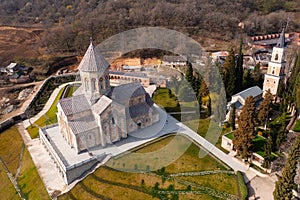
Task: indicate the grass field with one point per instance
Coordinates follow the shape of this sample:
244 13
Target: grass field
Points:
10 148
29 181
164 98
51 115
297 126
7 190
108 183
71 90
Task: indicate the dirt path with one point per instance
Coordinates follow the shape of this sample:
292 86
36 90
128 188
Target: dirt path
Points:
20 86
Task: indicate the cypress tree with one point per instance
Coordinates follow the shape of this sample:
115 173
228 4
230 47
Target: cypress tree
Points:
297 93
257 76
189 73
285 183
247 79
239 69
209 107
229 74
268 150
293 78
244 135
265 108
232 117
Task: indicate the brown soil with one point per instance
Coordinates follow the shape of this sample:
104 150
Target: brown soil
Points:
19 42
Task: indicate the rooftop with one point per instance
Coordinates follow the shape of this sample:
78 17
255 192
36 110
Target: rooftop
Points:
122 93
174 59
75 104
92 61
253 91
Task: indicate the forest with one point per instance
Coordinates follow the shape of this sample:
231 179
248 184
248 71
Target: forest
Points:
70 23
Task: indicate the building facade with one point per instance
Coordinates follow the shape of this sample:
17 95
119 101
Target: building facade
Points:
274 78
98 114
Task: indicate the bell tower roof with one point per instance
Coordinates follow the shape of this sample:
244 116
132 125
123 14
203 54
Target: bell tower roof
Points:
93 61
281 41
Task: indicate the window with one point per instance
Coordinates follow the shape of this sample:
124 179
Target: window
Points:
276 56
86 84
113 121
93 84
101 83
273 72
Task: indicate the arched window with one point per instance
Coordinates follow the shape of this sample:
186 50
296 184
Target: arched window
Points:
113 121
93 84
86 84
101 83
276 56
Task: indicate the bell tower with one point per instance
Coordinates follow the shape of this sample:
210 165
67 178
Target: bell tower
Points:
94 74
276 67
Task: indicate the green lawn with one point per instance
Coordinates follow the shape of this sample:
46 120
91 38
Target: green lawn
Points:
29 181
230 135
10 148
297 126
71 90
51 115
166 99
107 182
7 189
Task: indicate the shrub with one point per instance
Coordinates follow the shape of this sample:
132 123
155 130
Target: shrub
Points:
242 186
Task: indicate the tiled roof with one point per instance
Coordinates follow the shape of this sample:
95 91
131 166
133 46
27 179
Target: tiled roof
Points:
122 93
79 91
131 74
174 59
101 104
281 41
92 61
253 91
74 104
140 109
83 125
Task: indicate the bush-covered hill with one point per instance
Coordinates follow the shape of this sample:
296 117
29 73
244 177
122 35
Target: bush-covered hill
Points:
79 19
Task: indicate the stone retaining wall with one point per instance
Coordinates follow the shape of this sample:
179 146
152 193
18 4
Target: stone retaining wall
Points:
24 115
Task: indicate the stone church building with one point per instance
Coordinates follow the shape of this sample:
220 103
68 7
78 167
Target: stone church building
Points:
98 114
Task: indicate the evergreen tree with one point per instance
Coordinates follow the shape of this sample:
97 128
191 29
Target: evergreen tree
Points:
268 150
229 74
204 89
257 76
247 79
285 183
197 83
265 108
209 107
239 69
297 93
189 74
282 132
293 78
283 104
244 135
232 116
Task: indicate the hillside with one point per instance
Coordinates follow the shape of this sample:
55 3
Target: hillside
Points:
19 42
68 24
